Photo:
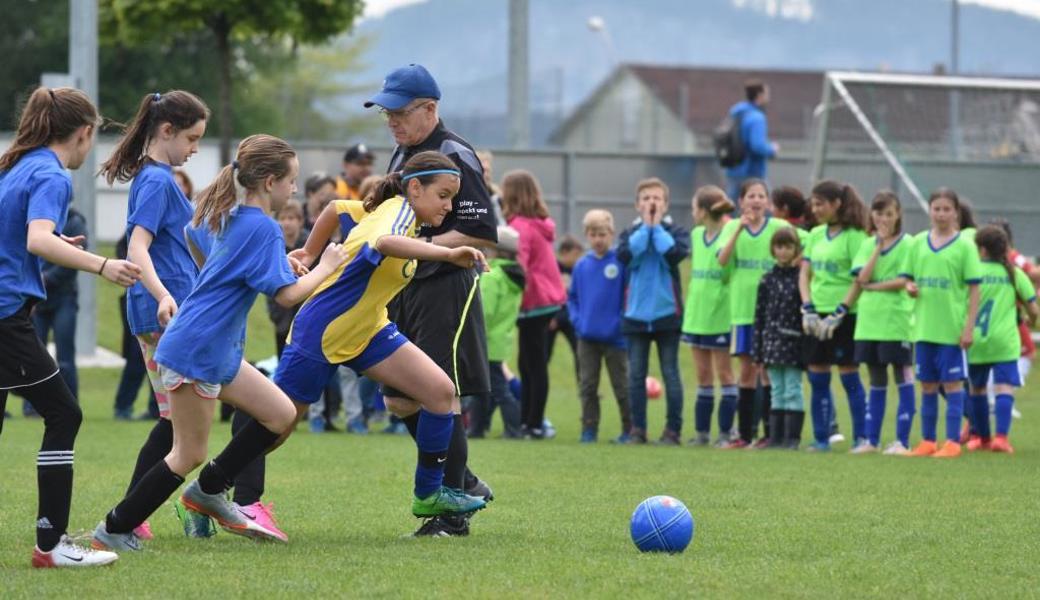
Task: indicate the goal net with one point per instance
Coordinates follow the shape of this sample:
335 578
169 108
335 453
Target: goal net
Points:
914 133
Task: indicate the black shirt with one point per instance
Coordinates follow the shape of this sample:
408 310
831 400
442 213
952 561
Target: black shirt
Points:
471 212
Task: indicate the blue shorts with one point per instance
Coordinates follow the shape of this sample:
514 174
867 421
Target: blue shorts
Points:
1004 373
939 363
718 341
303 378
743 340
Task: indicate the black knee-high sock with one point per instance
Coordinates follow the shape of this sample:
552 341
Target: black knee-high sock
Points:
155 448
412 423
249 483
767 404
62 418
158 484
250 442
458 455
746 413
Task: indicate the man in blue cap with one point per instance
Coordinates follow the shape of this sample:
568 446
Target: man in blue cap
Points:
431 311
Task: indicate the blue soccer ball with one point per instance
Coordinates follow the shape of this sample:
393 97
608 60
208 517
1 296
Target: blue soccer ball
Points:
662 524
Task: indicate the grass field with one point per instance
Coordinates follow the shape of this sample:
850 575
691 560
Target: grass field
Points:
768 524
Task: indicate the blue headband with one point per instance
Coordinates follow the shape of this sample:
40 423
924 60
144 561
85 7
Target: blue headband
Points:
431 172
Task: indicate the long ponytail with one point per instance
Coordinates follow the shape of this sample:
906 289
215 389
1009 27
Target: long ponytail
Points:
49 115
994 241
258 157
178 108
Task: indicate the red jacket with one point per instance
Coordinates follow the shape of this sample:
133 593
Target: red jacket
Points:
544 287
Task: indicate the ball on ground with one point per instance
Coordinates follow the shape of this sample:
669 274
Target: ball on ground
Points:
662 524
653 388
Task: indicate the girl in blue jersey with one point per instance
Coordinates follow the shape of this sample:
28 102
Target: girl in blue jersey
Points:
164 134
345 321
200 353
55 133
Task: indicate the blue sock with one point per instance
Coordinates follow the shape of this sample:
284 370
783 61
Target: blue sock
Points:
980 410
875 414
703 407
727 408
514 387
432 436
954 415
1003 413
857 403
929 416
905 416
820 405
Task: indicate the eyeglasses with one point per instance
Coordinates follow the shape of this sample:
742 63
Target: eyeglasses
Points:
400 114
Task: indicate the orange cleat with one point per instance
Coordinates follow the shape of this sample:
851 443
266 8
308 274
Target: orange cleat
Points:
925 448
977 443
950 449
965 432
1001 444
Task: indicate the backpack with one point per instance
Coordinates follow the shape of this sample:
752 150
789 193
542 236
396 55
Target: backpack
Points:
729 143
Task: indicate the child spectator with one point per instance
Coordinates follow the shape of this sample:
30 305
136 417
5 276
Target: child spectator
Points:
651 250
595 302
290 218
319 190
568 252
543 296
778 339
501 291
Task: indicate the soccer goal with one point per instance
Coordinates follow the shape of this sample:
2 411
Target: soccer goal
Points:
913 133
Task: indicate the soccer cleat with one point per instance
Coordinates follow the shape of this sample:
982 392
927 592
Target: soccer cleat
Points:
1001 444
701 439
965 432
444 526
977 442
103 540
143 531
863 447
357 425
669 438
896 448
818 447
588 436
760 444
263 514
623 438
445 501
637 437
67 554
722 440
228 515
196 525
476 486
950 449
735 444
925 448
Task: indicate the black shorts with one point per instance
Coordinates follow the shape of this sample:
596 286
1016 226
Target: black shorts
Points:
429 312
840 350
24 360
900 354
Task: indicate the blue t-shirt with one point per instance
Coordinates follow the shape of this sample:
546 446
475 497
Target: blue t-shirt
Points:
597 298
157 204
200 236
206 337
36 187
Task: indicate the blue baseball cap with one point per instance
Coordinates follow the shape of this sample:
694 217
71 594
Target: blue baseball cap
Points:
403 85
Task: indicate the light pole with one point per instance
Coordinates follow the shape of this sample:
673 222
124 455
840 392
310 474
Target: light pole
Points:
596 24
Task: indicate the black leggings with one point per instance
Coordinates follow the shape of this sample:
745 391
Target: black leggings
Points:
534 370
879 375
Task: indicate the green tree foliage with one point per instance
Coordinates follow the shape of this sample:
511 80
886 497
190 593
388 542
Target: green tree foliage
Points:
229 22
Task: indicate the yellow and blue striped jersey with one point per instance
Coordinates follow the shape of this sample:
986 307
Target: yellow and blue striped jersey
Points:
350 213
336 323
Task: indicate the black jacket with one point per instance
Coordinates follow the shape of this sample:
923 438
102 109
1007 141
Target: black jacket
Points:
778 319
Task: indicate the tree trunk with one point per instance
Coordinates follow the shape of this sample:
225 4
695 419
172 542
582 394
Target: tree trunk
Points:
222 32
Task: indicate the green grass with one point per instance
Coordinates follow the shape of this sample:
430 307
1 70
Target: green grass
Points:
769 524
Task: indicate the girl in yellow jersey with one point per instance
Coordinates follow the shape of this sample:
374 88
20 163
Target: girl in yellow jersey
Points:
345 321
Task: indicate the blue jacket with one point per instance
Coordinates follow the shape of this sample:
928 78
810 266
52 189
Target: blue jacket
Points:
754 130
597 297
651 255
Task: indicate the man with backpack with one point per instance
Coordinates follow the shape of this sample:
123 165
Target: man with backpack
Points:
742 142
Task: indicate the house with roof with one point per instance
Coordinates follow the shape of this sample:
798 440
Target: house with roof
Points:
674 109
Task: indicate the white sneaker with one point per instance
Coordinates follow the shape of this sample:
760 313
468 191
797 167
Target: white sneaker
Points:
836 438
896 448
864 447
67 554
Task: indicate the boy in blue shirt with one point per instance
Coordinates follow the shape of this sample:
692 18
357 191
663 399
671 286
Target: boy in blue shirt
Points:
651 250
594 303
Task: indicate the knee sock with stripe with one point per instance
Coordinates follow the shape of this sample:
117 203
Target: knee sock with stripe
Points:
820 406
703 407
905 413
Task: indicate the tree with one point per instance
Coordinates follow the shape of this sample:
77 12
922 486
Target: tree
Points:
229 22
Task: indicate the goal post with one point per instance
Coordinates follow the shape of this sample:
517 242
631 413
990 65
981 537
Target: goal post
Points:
913 133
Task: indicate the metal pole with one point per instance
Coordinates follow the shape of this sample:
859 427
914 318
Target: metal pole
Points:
956 136
83 67
519 117
820 150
